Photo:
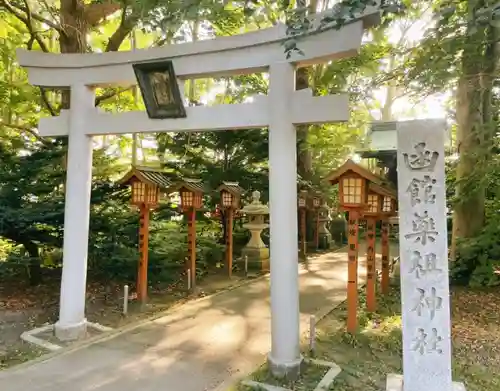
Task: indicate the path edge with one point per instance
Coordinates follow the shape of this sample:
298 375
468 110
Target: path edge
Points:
135 325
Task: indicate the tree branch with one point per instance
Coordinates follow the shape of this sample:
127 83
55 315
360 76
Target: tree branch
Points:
26 129
126 26
110 94
14 9
46 102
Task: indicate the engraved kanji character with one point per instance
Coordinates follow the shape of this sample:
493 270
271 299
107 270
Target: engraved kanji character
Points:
422 265
432 302
423 343
424 228
426 184
422 159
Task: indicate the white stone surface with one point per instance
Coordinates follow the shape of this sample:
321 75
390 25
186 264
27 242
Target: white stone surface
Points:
284 357
395 383
323 385
72 322
30 336
424 256
305 109
327 380
245 53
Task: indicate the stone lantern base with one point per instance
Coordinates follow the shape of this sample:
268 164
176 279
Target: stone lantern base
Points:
258 258
325 240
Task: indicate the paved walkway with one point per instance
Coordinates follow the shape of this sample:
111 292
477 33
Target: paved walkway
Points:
202 346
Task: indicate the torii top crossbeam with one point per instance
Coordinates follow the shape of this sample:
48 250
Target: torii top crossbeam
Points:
238 54
245 53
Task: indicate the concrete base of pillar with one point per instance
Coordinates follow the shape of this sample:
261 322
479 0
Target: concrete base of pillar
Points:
70 332
395 383
258 258
289 371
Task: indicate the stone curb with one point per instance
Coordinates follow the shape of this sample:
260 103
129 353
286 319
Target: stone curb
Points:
116 332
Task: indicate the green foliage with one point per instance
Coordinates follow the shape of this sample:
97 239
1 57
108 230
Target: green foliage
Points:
478 258
113 257
32 173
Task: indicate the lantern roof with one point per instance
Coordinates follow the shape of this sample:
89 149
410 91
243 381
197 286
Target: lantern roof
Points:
382 190
150 176
231 187
194 185
350 166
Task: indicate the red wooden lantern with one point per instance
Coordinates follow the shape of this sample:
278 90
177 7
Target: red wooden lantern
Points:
388 201
230 194
190 198
389 206
191 194
354 190
316 201
302 204
373 204
146 184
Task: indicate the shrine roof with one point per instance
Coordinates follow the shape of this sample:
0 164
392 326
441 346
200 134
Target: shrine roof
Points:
383 190
378 184
194 185
348 166
147 175
231 187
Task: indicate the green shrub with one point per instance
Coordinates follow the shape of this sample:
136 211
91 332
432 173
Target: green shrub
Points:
113 245
478 259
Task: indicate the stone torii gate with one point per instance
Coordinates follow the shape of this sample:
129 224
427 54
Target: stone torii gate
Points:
280 111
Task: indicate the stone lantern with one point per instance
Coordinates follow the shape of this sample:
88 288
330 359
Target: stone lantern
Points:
325 236
256 250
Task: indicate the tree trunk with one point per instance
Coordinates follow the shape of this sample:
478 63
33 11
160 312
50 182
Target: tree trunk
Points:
474 132
304 154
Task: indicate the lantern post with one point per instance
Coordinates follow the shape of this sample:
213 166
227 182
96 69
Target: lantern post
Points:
145 184
302 203
353 181
352 195
230 193
317 206
372 213
388 210
190 191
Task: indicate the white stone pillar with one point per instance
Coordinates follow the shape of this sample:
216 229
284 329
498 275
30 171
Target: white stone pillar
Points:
72 322
423 243
284 358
